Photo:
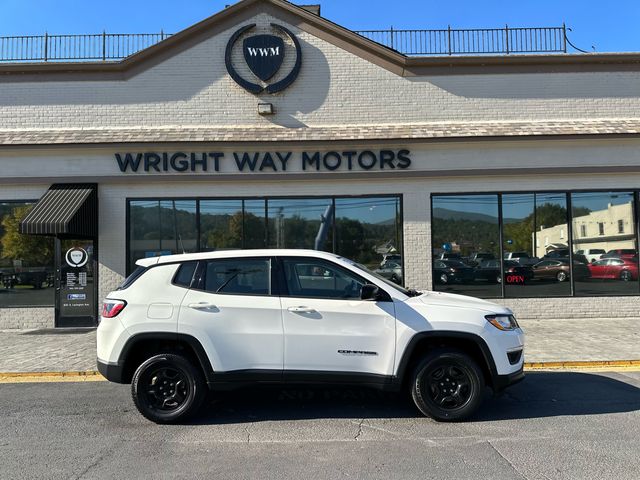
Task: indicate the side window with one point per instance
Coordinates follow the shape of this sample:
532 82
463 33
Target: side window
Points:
184 275
316 278
238 276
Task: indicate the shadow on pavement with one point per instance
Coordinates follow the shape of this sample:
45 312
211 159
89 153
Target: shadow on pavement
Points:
541 394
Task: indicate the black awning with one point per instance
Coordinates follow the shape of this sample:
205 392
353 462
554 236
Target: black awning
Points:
65 210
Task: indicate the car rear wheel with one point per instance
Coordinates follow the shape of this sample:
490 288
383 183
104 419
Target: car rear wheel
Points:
444 278
626 276
561 276
447 385
167 388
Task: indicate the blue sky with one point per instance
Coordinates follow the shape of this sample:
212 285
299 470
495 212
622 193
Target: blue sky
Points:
609 26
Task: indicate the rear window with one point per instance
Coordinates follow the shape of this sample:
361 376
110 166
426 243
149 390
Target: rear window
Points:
137 273
184 275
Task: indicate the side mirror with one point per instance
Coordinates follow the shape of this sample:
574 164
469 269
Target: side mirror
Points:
369 292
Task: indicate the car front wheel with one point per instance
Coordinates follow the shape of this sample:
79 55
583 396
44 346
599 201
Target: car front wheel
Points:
447 385
561 276
167 388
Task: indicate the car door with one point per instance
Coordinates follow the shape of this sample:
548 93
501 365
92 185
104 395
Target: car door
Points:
327 327
235 314
544 269
614 267
598 269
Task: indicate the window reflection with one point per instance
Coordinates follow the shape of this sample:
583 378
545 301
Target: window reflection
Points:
161 227
301 223
465 235
255 229
368 230
607 243
26 261
221 224
535 247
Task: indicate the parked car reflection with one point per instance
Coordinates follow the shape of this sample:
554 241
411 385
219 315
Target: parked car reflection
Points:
450 271
391 270
620 253
490 270
558 269
625 269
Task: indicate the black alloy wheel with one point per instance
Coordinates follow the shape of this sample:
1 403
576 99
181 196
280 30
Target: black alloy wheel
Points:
561 276
626 276
167 388
447 385
444 278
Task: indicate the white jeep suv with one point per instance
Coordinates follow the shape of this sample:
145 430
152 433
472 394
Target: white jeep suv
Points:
183 324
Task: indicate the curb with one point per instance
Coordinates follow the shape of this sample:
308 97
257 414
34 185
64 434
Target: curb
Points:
577 365
95 376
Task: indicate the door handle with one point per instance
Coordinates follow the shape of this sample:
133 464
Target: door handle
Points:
204 306
301 309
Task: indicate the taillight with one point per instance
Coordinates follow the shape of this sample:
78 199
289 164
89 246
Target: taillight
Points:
111 308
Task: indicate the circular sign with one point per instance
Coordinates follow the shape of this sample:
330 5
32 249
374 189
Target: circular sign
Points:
76 257
264 55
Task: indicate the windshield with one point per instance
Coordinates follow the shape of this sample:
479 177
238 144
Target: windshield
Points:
395 286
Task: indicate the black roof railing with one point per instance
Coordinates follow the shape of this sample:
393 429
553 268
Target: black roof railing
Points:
104 47
473 41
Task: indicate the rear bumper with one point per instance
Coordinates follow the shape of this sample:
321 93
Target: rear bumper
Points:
500 382
111 371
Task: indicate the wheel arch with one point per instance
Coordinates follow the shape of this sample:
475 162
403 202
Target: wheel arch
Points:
143 345
423 342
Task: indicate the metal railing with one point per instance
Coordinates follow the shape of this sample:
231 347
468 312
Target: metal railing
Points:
104 46
475 41
92 47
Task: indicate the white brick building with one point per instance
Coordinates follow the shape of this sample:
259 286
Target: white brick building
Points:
414 130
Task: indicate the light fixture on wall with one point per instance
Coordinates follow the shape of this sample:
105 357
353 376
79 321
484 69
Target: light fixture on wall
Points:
265 109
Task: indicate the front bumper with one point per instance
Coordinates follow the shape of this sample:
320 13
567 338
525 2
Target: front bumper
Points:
111 371
500 382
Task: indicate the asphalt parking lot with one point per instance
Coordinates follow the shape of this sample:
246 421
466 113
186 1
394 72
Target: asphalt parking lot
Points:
554 425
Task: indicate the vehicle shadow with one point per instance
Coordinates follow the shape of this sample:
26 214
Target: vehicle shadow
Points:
541 394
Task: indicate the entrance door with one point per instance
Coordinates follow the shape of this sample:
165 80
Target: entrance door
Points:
75 283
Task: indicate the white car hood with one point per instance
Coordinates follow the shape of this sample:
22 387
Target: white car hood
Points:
460 301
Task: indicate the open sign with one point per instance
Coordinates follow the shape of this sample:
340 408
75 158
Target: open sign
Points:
514 279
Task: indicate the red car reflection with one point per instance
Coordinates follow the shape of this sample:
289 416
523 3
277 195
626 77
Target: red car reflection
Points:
625 269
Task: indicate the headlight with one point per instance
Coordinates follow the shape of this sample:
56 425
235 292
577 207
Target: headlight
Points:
503 322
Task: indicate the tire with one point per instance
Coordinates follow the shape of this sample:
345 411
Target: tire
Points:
458 374
626 276
167 371
498 279
444 278
561 276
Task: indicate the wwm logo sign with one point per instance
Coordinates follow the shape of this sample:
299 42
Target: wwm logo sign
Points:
263 52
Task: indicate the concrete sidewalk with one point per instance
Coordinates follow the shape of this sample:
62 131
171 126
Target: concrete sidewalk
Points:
550 340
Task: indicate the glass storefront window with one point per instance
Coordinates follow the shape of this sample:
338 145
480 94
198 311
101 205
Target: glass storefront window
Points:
535 245
26 261
221 224
301 223
255 224
466 245
161 227
369 231
606 245
368 228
